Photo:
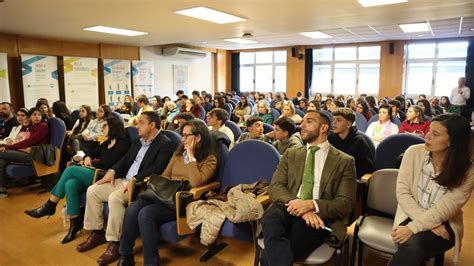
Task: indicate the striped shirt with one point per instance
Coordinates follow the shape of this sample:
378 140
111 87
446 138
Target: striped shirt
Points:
428 190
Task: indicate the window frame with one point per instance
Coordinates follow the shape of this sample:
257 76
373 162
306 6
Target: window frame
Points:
273 64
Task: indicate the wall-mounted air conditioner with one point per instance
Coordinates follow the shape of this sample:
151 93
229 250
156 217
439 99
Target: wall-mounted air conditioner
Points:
183 52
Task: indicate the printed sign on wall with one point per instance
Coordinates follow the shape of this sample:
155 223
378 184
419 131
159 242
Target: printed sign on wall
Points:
4 85
143 74
116 81
80 82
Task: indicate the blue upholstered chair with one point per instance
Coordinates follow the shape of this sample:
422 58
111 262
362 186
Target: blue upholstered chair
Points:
202 113
74 116
388 152
132 133
57 132
267 128
275 114
299 112
174 137
360 122
235 129
370 142
329 114
118 116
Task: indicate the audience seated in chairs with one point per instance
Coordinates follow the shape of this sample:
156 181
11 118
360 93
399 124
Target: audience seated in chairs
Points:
20 151
285 135
195 161
255 130
382 128
216 119
428 222
348 139
8 118
181 119
264 112
242 110
60 111
308 198
149 154
288 110
77 178
43 105
89 138
14 135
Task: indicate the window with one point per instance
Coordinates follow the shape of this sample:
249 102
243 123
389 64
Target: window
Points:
263 71
346 70
434 68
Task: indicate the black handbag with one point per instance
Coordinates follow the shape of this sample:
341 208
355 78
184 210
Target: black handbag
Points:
162 190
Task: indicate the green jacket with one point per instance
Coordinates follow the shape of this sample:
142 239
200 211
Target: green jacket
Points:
337 194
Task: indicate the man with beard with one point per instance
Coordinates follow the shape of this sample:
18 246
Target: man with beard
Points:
9 119
313 192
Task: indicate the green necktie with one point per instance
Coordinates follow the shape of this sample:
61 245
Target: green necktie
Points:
308 175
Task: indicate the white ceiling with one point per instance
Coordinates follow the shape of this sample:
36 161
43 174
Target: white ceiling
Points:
273 23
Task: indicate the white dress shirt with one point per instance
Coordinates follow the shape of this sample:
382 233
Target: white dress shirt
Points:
319 161
460 98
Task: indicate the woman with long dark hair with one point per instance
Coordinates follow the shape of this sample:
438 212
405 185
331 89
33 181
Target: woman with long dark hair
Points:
435 181
372 102
242 109
195 160
76 179
363 108
20 151
61 111
425 107
448 108
43 105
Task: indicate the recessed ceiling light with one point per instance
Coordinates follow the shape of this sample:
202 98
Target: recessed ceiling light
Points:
105 29
315 34
472 29
369 3
239 40
420 35
211 15
415 27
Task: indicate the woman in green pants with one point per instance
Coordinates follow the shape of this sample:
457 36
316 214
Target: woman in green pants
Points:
75 179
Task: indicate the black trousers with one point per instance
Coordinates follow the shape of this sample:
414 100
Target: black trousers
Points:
288 237
421 247
8 157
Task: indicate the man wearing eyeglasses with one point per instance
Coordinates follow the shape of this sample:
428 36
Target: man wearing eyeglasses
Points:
148 154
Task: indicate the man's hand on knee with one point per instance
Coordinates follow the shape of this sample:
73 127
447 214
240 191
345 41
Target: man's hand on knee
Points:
298 207
313 220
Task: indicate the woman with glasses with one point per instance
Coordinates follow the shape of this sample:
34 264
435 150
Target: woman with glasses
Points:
195 160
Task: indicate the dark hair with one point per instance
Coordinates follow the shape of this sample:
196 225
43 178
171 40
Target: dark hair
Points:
420 116
220 114
427 105
348 102
195 93
23 110
44 101
422 96
317 104
365 106
245 104
83 121
60 110
325 118
164 99
179 92
448 102
286 124
339 103
152 116
205 147
184 96
252 120
402 101
345 112
142 99
107 110
7 103
371 101
32 110
455 165
116 128
388 108
220 100
158 100
395 102
186 116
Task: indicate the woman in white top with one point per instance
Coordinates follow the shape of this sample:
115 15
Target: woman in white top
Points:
382 128
20 116
288 110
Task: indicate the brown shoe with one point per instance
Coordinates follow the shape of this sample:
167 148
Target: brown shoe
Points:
92 241
110 255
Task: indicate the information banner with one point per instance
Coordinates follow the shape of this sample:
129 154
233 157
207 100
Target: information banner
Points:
143 74
80 82
4 85
40 78
116 81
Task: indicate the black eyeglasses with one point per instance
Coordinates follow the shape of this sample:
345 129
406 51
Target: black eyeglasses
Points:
187 135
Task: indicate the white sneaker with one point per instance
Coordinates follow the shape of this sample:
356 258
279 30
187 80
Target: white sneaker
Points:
79 156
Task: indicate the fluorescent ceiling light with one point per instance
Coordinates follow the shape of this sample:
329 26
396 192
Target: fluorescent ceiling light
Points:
117 31
315 35
369 3
415 27
208 14
239 40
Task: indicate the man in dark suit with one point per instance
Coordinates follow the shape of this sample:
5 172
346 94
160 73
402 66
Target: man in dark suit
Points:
313 192
148 154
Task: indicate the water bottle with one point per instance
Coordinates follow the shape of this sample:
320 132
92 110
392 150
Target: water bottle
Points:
64 214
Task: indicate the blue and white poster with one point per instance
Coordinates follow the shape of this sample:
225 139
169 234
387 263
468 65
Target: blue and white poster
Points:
4 85
116 81
143 74
81 84
40 78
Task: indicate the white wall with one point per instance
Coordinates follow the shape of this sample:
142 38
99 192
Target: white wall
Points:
200 71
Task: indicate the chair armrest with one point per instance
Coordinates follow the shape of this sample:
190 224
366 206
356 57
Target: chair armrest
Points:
97 174
131 190
365 178
264 200
199 191
43 169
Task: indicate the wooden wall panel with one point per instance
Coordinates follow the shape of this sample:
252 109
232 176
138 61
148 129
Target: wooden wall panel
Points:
391 69
294 72
224 71
15 45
